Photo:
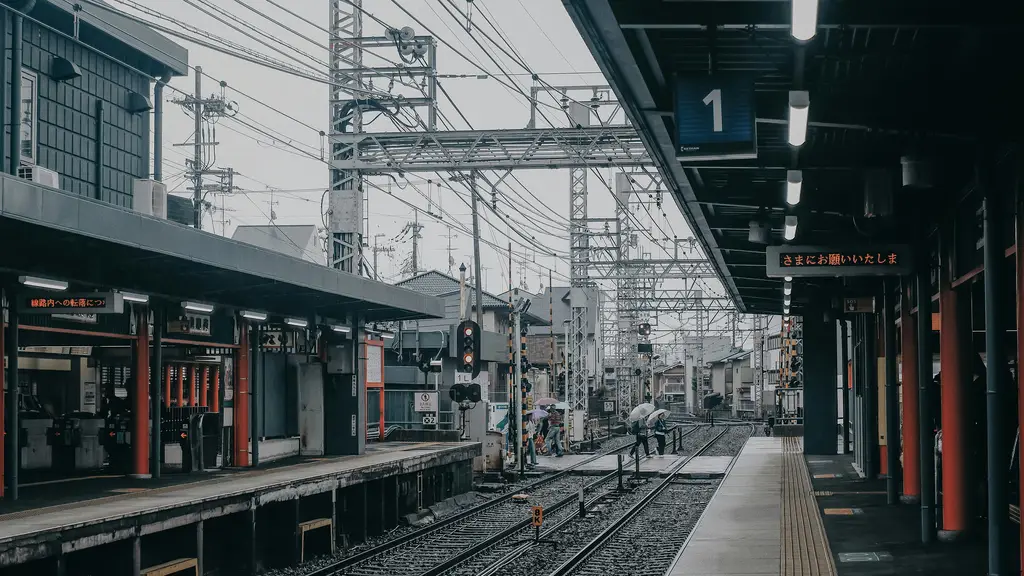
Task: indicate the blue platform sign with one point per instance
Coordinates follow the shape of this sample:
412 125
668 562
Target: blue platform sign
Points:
715 118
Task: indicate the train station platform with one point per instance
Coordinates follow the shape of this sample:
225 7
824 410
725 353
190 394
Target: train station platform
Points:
63 518
780 513
871 538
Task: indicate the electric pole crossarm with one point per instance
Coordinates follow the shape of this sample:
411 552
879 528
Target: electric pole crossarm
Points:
489 149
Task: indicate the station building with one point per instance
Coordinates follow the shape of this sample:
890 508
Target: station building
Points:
138 350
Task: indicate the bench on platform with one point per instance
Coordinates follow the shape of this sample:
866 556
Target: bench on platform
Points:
313 525
172 567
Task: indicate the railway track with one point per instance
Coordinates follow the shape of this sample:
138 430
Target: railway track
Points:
516 551
422 550
627 545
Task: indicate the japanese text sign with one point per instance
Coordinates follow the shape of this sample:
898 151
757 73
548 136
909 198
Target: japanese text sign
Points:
88 303
870 260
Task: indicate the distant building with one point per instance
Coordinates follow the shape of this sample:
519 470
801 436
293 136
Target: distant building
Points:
85 117
670 382
298 241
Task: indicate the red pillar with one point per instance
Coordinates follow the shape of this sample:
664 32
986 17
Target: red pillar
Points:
204 387
215 400
140 398
240 411
3 410
193 377
911 434
952 355
167 386
181 385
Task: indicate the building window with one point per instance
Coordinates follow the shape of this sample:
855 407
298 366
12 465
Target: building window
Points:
28 117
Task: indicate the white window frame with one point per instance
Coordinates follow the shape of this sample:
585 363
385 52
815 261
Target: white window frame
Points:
28 76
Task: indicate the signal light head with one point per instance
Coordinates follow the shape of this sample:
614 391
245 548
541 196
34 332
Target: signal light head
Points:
467 331
467 358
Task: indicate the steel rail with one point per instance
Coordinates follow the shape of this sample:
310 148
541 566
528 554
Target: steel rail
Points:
511 530
363 556
594 545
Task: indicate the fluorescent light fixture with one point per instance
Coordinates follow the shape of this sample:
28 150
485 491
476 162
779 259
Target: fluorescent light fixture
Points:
136 298
789 278
197 307
790 231
387 334
253 315
799 107
297 322
435 363
786 300
787 289
44 283
805 19
785 319
341 329
794 182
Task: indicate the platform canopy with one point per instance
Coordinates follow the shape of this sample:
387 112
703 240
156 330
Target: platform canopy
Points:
708 84
49 233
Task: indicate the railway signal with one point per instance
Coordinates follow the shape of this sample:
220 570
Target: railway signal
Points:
469 341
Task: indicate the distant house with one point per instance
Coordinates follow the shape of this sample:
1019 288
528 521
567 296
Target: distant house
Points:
670 382
297 241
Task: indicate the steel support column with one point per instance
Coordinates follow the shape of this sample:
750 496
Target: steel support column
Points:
926 457
953 365
579 256
140 396
995 386
13 459
3 404
892 417
844 347
911 429
1019 257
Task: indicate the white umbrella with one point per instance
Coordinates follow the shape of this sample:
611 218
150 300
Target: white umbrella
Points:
641 411
654 416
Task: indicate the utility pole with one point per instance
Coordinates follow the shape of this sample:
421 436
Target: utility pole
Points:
451 261
376 250
203 110
477 265
416 243
197 158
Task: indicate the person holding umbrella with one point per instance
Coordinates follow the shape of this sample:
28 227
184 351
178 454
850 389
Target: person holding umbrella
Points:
640 432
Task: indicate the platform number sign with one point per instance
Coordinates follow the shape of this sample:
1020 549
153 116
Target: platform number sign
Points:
715 117
430 420
536 516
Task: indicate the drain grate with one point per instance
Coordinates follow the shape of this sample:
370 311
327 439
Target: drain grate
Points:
823 493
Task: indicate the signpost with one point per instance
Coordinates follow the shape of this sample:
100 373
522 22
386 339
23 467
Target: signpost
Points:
85 303
426 402
824 261
859 305
715 117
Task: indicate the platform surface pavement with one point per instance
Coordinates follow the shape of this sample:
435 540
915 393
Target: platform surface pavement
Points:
224 485
758 524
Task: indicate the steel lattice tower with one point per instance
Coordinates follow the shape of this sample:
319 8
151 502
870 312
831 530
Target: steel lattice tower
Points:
579 270
346 197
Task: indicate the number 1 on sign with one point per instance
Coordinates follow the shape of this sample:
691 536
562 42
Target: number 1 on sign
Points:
714 98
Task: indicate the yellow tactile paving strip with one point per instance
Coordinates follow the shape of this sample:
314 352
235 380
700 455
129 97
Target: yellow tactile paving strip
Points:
805 548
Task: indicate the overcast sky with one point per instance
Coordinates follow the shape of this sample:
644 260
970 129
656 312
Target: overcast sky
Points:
293 110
